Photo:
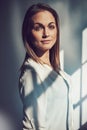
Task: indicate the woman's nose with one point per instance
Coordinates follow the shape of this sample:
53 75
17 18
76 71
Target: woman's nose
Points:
45 32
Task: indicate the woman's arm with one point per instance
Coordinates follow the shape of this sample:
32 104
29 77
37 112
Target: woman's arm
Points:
30 91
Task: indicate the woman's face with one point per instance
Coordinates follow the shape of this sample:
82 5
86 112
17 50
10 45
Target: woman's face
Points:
44 31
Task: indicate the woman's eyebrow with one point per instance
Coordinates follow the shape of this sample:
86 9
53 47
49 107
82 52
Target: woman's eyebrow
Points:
52 23
38 23
43 24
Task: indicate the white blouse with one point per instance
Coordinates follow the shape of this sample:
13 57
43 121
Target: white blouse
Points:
46 98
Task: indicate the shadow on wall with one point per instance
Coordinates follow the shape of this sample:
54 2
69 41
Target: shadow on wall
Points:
10 104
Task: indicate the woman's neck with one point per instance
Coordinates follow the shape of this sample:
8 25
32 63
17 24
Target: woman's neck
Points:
45 58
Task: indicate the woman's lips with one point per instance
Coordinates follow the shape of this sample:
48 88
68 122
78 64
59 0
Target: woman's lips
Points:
45 41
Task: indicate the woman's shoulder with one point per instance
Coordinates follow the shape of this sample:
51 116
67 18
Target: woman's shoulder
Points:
31 67
28 65
25 70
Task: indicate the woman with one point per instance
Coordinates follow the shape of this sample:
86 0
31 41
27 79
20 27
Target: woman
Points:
44 88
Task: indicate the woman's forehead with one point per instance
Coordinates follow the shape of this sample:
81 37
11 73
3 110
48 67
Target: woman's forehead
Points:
43 16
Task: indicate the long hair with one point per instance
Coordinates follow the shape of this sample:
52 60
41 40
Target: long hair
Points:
27 37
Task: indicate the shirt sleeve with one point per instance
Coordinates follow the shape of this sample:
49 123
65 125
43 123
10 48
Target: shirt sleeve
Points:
29 84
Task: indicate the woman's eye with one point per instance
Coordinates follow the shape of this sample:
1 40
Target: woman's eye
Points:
51 26
37 28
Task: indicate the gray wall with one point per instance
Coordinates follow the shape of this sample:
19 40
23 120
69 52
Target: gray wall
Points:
73 20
